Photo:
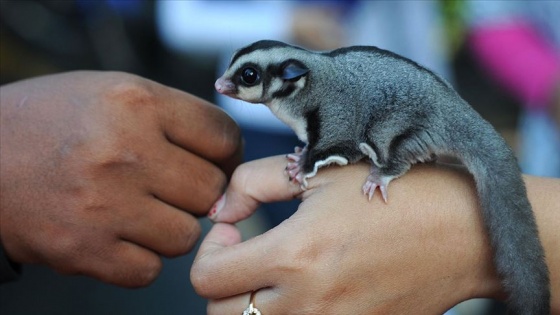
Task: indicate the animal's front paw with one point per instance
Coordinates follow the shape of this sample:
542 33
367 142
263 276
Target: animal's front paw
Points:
294 169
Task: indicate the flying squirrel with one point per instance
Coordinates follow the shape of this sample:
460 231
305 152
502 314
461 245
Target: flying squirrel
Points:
365 102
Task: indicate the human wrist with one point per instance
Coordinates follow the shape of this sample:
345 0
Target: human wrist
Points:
462 231
482 281
545 207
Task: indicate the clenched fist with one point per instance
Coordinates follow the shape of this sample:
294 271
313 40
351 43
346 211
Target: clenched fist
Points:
103 172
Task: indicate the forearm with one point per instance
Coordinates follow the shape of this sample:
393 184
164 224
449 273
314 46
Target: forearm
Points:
545 206
544 200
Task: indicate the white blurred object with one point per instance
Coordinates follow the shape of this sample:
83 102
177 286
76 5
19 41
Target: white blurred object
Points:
410 28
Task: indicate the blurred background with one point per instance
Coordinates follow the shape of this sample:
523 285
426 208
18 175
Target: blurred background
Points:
503 58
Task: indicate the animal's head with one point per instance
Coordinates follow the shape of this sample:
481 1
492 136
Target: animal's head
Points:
264 71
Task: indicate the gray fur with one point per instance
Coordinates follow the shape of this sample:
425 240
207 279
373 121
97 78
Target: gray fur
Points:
365 102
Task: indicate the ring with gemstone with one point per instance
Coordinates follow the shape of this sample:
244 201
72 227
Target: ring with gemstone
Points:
252 310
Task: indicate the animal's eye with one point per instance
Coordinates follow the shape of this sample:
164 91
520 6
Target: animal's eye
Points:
250 76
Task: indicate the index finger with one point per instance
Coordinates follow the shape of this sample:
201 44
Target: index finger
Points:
202 128
253 183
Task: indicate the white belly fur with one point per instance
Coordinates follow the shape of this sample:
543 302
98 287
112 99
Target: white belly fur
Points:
298 125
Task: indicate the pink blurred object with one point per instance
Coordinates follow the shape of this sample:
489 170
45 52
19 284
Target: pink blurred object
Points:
520 59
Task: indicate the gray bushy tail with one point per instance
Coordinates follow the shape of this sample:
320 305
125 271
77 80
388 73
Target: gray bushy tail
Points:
510 222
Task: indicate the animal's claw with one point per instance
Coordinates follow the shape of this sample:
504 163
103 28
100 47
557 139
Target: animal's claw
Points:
375 180
293 168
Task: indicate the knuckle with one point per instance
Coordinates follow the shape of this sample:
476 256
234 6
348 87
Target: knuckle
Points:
301 260
241 175
212 177
213 180
293 265
126 269
232 138
117 156
64 251
191 235
142 275
183 235
226 134
201 280
91 201
131 90
70 252
219 181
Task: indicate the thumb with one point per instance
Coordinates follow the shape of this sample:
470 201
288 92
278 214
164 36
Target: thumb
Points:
254 183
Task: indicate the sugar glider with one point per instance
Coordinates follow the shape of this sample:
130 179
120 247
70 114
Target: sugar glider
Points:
365 102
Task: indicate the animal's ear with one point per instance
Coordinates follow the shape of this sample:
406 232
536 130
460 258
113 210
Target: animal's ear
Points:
293 70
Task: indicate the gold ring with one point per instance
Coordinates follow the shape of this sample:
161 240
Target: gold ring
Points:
252 310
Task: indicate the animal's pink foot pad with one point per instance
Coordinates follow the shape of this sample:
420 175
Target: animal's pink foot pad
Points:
375 180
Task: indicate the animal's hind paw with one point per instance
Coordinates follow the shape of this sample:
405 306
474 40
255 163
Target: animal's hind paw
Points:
375 180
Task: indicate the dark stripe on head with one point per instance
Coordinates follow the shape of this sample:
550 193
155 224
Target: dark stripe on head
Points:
260 45
266 81
286 90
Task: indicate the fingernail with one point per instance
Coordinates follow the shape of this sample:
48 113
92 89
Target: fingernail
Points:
216 208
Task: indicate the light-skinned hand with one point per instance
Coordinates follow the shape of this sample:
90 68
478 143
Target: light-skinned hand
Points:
421 253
